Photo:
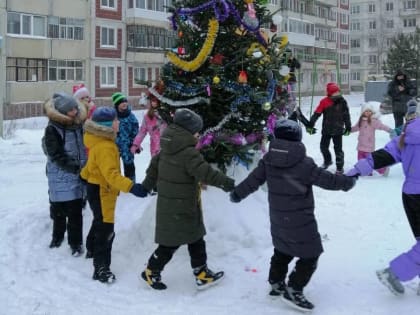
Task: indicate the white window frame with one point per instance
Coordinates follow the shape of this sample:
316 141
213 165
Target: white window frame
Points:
107 29
389 6
31 31
108 81
107 5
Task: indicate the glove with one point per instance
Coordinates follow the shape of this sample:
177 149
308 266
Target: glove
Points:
393 134
138 191
135 149
347 132
311 130
234 197
351 183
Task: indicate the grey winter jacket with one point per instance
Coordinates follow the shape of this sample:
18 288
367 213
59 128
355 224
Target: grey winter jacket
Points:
290 174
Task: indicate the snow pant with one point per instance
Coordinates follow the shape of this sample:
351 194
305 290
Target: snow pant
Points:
363 155
163 254
67 215
407 265
130 171
299 277
398 118
101 234
338 149
412 210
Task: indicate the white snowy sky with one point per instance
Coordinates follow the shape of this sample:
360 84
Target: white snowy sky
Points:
362 230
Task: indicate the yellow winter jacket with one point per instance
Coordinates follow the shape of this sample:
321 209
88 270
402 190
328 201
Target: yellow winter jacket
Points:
103 167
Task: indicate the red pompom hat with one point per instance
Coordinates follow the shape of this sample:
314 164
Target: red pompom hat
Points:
332 88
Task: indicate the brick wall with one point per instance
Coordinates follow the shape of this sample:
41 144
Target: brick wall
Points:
107 52
109 13
107 91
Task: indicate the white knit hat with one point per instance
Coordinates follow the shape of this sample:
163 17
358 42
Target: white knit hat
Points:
370 106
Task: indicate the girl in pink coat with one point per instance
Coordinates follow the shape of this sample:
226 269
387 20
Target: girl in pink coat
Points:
366 126
153 125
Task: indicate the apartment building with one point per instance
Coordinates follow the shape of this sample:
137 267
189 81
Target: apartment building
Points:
119 45
372 26
318 33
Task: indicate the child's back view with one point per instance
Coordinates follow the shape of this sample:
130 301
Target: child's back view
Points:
290 174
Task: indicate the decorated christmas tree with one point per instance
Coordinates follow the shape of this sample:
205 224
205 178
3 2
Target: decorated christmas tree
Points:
229 69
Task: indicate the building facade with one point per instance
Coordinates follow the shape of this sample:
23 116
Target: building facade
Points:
373 24
120 45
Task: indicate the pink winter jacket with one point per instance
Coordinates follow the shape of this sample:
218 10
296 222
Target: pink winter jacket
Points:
366 139
154 127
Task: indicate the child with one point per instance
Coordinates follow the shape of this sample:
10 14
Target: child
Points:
366 126
153 125
81 93
335 124
129 127
104 182
177 172
66 156
404 149
290 175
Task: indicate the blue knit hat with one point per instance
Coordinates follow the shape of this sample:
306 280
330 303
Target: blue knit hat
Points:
104 116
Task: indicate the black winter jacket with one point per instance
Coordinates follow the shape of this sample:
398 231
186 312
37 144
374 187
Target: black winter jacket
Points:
290 174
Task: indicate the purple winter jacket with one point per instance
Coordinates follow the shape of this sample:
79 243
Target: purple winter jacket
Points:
409 156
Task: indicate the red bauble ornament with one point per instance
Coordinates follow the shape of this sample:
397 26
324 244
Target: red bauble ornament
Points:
181 50
243 77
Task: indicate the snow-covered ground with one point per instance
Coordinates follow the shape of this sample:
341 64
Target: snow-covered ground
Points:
362 230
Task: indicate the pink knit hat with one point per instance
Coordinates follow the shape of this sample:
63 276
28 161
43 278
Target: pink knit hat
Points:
80 91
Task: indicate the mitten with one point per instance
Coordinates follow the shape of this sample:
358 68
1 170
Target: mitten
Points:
363 167
347 132
135 149
138 191
234 197
311 130
393 134
350 184
353 173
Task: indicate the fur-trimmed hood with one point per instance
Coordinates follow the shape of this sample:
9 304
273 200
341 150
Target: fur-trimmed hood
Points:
54 115
99 130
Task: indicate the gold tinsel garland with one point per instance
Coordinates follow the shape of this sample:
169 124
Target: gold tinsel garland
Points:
205 51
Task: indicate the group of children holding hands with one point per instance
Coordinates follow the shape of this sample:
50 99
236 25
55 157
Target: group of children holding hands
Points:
177 170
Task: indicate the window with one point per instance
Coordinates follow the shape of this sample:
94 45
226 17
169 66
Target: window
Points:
355 43
65 28
355 76
372 25
355 60
389 6
143 36
409 22
108 74
344 59
371 8
108 4
372 59
65 70
410 5
25 24
107 37
389 24
344 38
373 42
355 9
25 69
355 26
143 75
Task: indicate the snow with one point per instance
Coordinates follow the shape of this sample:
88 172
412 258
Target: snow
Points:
362 231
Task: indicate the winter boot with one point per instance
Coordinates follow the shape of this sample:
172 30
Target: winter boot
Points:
297 300
153 279
325 165
89 254
76 250
204 277
390 281
278 288
339 171
56 242
103 274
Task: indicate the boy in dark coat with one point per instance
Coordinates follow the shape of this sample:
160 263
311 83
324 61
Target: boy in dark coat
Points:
176 172
290 174
336 123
